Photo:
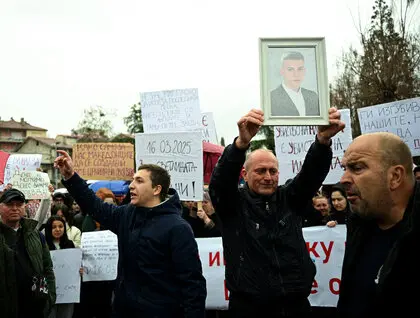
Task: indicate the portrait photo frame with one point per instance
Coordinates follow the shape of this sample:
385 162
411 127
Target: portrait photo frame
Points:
294 81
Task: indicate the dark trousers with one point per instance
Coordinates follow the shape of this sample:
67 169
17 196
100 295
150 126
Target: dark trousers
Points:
248 306
95 300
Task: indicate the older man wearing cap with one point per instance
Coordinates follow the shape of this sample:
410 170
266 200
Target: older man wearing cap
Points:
27 283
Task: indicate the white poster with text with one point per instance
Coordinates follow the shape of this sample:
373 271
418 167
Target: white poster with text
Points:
293 142
326 249
66 264
33 184
209 128
181 154
171 110
20 162
100 256
400 117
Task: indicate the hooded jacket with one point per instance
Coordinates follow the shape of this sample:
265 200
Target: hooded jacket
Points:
266 255
159 270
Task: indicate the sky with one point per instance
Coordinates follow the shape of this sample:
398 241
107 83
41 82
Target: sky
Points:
58 58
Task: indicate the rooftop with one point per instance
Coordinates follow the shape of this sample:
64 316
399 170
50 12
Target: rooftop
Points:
46 141
18 125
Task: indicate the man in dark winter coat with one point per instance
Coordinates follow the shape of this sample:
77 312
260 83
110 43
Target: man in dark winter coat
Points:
380 276
268 268
159 270
25 262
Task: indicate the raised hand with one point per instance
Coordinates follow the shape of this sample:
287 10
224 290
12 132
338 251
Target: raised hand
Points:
248 127
326 132
64 164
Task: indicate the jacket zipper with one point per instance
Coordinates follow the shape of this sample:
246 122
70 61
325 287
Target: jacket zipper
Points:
267 208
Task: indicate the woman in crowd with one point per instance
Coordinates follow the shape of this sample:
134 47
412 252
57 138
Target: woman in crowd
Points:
203 220
57 239
73 233
340 208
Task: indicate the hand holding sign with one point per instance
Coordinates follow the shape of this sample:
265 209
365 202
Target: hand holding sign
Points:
64 164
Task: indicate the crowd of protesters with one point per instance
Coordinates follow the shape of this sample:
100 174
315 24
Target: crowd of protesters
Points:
268 270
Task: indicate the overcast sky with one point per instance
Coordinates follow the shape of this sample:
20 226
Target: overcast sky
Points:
58 57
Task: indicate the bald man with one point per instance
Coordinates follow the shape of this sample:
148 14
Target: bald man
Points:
268 268
379 276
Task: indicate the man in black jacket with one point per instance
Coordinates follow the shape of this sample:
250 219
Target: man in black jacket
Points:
268 268
159 270
380 277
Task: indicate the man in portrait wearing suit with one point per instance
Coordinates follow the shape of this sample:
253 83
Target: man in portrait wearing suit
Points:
290 99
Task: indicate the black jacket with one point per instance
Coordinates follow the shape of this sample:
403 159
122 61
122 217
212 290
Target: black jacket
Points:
159 270
398 279
265 253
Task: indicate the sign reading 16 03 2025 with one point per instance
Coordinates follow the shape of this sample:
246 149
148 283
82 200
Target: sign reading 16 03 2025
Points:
176 147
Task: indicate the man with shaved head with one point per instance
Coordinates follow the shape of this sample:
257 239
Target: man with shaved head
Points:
379 276
268 268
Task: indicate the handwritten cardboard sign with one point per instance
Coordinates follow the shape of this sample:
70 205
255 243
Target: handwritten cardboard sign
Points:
181 154
104 161
100 255
293 142
66 264
171 110
400 117
33 184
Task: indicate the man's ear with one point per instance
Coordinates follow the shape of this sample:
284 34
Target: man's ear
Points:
244 174
157 190
396 176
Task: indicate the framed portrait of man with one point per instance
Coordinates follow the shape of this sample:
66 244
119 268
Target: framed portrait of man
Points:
294 81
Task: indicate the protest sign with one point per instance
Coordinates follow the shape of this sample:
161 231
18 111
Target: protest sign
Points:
66 264
181 154
293 142
326 249
171 110
3 161
400 117
33 184
104 161
209 128
100 256
20 162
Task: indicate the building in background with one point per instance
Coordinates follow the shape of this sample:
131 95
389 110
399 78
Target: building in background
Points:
13 133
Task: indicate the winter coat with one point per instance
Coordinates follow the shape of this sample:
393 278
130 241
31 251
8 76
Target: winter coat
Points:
264 248
159 270
40 258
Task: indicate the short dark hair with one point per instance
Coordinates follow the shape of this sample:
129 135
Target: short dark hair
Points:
293 55
416 169
158 176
